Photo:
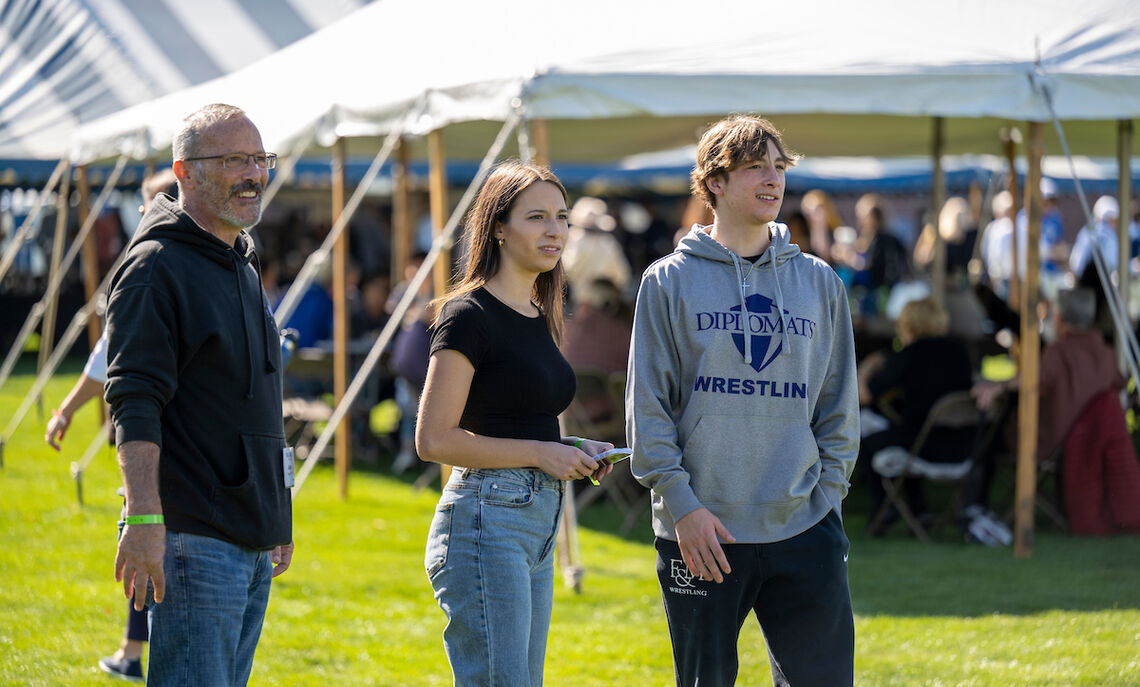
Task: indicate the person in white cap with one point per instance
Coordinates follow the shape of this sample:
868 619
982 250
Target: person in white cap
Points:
1103 234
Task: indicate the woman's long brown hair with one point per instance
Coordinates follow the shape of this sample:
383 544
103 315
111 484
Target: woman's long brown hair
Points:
482 258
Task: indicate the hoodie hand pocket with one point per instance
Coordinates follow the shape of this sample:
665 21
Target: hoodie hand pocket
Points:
758 459
252 512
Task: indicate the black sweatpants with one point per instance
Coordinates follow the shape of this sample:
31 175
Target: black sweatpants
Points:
798 590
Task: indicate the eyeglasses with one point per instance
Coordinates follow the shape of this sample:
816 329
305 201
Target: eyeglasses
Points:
240 160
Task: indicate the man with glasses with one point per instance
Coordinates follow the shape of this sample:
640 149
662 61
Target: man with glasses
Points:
194 385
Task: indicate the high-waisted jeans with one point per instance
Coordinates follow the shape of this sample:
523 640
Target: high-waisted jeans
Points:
490 560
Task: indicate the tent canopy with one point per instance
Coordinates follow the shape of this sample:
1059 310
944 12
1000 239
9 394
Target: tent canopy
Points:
612 79
67 62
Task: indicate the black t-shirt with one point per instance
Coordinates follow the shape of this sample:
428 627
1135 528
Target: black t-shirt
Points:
521 380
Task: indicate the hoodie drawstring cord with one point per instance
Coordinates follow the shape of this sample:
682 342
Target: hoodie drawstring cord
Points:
785 342
269 367
244 327
743 311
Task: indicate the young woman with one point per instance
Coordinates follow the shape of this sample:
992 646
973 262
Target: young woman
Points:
496 384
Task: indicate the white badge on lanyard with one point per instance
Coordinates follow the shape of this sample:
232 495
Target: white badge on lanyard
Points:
287 461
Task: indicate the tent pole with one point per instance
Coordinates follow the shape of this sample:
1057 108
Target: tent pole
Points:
90 255
401 217
569 548
522 136
1030 374
90 258
437 200
65 342
1124 195
540 141
47 327
437 189
340 319
1010 137
937 199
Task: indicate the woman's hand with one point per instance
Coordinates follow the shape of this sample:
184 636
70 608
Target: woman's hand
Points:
593 448
568 463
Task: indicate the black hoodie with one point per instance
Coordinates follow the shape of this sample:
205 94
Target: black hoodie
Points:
194 364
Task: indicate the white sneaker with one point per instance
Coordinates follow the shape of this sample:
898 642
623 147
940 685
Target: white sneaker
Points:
985 528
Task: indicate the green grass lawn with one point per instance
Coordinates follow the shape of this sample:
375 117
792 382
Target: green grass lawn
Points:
356 608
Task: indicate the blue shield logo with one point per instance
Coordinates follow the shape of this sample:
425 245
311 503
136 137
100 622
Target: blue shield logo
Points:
763 350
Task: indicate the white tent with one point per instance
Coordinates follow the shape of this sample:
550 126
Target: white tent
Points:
615 78
67 62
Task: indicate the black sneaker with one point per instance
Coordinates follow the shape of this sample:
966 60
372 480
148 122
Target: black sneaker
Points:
122 668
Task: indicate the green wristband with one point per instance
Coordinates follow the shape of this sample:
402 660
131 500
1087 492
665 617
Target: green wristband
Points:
144 520
578 444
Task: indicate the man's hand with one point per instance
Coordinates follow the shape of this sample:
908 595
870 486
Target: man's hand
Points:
141 550
697 534
281 556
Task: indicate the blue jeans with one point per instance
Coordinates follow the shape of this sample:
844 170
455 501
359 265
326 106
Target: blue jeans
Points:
490 560
206 628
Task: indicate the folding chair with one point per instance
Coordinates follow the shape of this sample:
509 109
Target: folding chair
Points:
955 410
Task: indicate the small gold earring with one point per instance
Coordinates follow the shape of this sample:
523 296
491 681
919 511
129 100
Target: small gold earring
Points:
500 242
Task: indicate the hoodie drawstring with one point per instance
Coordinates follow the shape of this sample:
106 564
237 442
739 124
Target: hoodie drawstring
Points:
743 311
269 367
244 327
785 342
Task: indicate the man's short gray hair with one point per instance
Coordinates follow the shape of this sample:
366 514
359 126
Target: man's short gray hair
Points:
1077 307
186 140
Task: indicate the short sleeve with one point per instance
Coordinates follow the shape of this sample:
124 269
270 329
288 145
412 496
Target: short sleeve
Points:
462 327
96 367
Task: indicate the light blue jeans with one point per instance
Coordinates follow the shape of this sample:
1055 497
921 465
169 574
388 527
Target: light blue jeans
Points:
206 628
490 560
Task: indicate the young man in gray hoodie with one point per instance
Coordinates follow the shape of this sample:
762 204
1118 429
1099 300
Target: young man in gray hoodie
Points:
744 421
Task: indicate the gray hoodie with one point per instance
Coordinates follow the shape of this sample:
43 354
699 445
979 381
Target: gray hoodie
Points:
762 430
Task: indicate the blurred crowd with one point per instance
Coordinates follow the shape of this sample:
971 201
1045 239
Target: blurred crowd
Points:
883 247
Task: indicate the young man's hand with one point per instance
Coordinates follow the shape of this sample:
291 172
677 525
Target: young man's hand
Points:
697 534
